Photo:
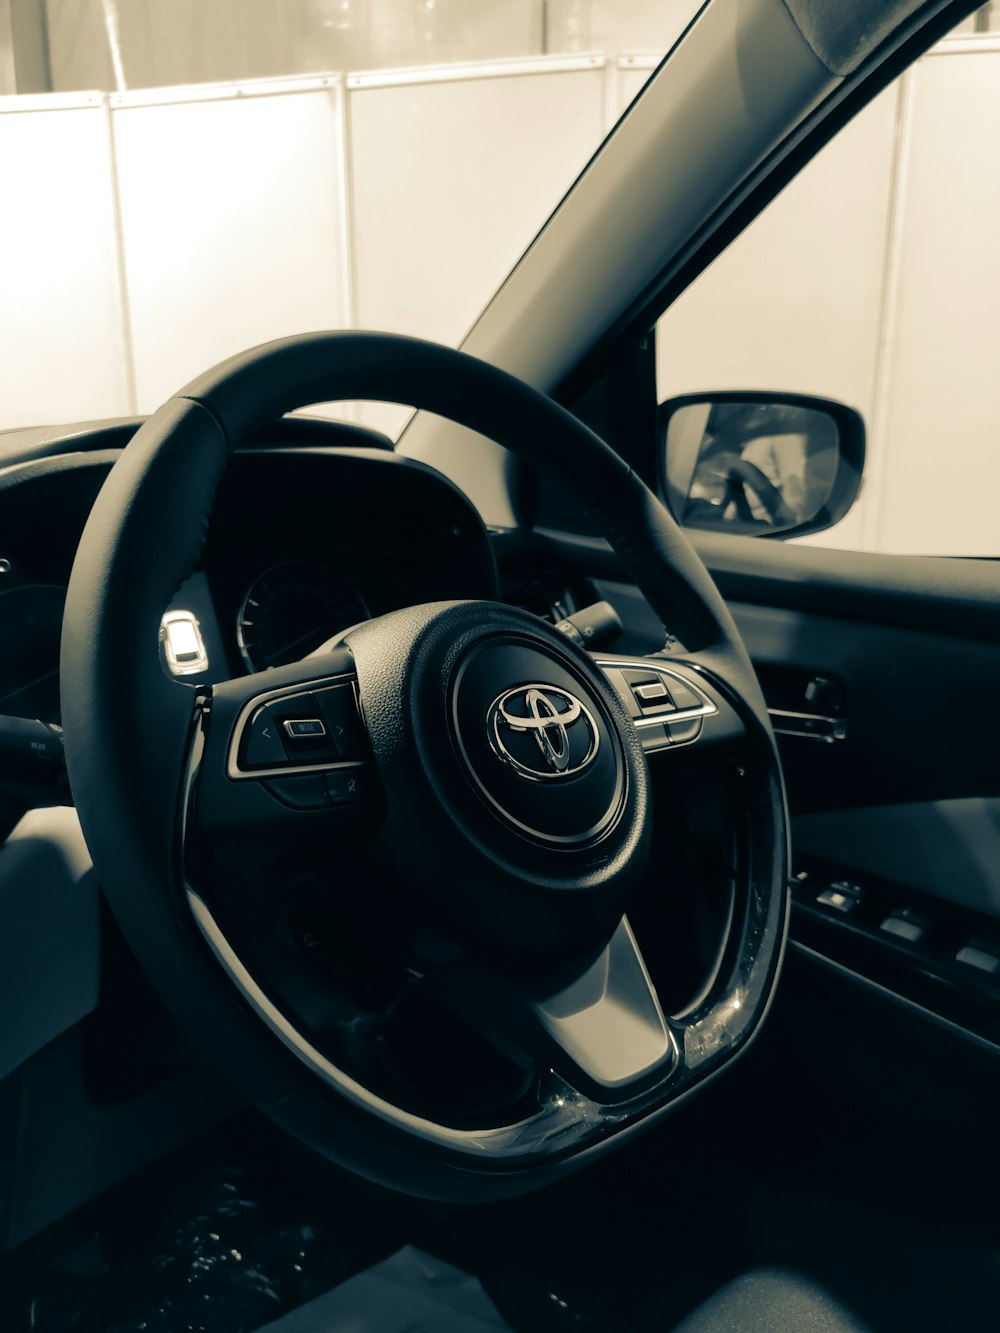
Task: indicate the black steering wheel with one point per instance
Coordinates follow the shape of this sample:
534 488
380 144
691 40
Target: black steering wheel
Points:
463 790
745 476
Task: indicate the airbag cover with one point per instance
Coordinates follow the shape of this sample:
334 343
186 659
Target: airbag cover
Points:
537 742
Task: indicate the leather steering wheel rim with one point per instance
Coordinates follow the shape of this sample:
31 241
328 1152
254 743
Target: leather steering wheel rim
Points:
129 729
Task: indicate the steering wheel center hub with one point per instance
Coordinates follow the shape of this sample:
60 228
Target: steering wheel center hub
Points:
516 787
537 742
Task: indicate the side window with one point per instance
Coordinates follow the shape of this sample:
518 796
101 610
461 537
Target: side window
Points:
874 279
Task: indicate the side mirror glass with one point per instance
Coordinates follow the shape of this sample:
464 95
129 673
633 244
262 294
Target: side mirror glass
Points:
759 464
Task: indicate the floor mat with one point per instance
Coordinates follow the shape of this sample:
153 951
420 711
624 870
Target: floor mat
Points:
410 1292
222 1238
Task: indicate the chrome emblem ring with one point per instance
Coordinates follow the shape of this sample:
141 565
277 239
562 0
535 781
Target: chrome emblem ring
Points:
542 731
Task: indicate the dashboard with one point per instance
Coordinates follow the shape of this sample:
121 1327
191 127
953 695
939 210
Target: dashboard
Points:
315 527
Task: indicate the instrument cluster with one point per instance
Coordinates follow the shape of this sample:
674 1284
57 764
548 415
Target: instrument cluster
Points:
304 542
291 609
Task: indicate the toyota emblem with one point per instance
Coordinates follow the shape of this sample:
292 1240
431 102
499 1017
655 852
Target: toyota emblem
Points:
542 731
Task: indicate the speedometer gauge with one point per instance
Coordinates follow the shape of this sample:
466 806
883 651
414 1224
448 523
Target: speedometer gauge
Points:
291 610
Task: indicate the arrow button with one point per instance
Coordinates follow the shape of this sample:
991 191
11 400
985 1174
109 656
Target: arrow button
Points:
339 706
262 747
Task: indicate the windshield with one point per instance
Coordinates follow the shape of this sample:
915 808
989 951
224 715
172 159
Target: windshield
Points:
197 178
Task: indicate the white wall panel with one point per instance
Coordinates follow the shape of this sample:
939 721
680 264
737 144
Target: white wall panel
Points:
453 172
632 72
795 303
233 208
8 74
943 391
62 340
639 25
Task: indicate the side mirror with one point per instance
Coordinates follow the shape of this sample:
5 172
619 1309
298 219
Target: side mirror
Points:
759 464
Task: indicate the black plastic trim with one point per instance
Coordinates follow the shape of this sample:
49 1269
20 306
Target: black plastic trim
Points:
29 444
944 594
924 973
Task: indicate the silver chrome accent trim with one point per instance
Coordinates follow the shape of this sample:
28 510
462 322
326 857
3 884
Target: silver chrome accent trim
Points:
293 735
289 770
655 691
679 714
555 753
837 726
606 822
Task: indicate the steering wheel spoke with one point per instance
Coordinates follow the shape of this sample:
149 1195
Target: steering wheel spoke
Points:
596 1023
286 754
672 702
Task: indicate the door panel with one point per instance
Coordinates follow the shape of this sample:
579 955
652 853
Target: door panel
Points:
921 710
950 849
913 791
